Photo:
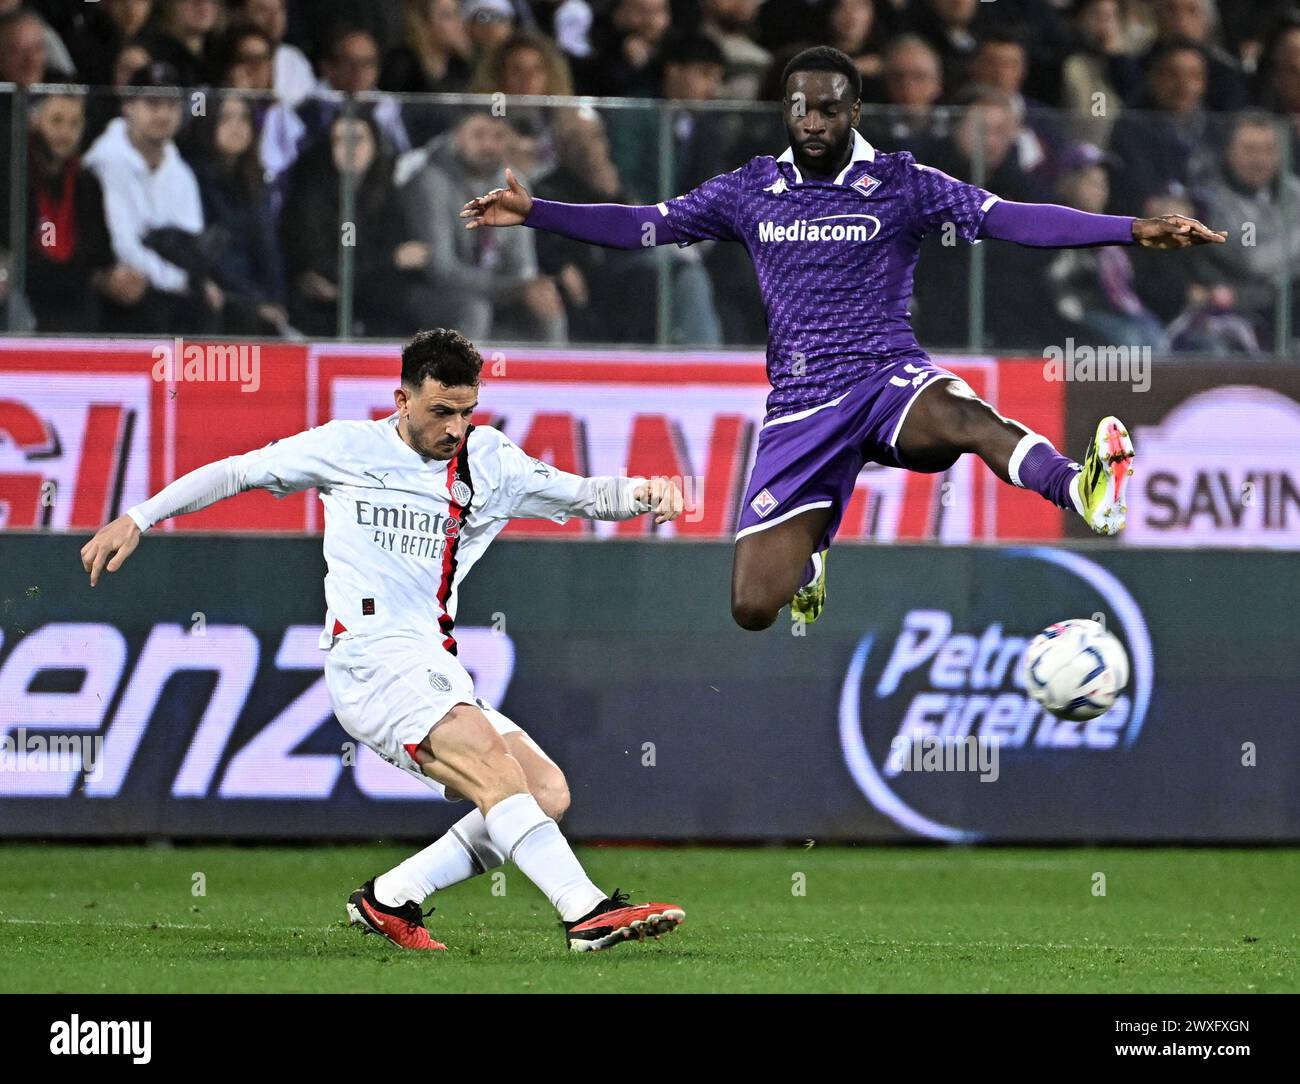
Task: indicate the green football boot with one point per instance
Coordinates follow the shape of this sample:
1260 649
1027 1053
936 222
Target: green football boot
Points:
1103 482
809 600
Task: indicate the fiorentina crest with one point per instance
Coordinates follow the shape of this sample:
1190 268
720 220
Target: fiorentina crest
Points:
866 184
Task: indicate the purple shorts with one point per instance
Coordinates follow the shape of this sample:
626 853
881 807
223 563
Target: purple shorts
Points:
812 458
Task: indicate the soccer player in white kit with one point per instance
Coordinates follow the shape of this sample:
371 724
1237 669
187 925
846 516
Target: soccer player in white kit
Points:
411 502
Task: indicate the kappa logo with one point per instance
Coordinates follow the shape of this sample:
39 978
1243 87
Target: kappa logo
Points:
777 187
866 184
440 682
460 492
763 504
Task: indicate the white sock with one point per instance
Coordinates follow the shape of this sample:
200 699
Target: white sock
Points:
1018 454
463 852
534 843
1075 497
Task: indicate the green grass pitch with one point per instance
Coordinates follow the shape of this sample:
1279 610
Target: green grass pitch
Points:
125 919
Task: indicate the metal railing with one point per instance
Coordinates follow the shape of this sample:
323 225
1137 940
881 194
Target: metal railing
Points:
979 298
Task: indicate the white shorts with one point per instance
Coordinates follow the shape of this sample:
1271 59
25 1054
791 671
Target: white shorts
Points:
389 691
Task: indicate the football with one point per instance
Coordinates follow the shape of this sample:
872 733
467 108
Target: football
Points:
1075 669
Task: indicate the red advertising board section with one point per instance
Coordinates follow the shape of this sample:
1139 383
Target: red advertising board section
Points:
89 428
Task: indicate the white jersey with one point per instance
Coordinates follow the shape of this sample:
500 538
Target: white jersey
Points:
401 530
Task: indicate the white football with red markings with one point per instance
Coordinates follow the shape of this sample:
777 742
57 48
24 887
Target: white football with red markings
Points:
1075 669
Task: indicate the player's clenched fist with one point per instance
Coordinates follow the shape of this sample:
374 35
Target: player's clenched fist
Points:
663 496
111 545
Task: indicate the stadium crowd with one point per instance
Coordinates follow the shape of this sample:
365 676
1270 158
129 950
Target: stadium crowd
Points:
199 211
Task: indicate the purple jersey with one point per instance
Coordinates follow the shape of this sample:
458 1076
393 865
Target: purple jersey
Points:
834 258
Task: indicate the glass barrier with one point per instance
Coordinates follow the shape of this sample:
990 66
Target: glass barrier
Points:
340 218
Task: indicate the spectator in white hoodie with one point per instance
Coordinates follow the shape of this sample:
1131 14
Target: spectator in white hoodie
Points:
148 188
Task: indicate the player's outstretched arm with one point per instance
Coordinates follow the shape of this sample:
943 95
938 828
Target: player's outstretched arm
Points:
1049 225
282 467
613 225
116 541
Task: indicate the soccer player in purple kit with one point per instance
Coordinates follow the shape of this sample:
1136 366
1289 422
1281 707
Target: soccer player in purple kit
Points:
833 227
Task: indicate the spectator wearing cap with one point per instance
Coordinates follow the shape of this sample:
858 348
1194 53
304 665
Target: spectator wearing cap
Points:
150 191
486 282
730 23
70 262
1259 206
390 284
626 58
1197 21
1094 288
292 76
1100 74
182 36
1167 136
488 23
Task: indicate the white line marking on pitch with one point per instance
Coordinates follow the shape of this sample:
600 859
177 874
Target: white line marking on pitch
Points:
108 925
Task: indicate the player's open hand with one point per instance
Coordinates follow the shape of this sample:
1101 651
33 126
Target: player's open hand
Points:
1175 231
500 207
111 546
663 496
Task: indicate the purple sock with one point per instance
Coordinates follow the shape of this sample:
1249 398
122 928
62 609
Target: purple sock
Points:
1036 465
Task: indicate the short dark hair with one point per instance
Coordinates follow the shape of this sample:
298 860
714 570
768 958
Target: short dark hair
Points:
1163 50
443 355
822 58
681 47
1004 35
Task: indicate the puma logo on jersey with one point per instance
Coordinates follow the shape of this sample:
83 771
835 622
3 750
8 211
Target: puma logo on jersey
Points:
378 477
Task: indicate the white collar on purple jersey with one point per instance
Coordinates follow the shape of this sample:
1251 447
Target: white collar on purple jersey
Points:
862 152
